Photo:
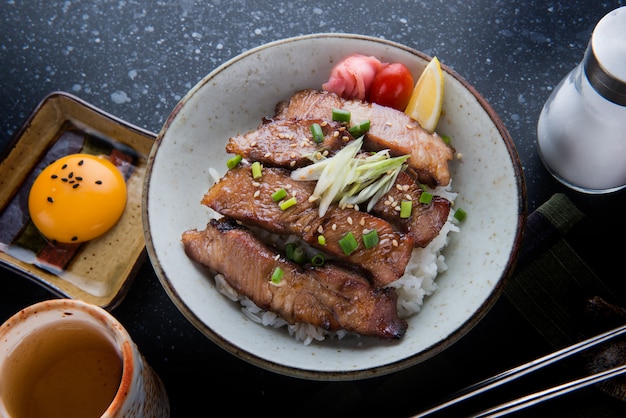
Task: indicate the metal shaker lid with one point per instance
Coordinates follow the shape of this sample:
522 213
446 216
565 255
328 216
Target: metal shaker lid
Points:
605 58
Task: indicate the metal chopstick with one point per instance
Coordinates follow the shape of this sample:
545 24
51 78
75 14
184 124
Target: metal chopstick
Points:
521 370
544 395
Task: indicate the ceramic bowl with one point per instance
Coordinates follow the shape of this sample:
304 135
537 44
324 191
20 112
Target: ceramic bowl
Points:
233 99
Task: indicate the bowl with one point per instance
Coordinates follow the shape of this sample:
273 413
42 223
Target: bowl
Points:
233 99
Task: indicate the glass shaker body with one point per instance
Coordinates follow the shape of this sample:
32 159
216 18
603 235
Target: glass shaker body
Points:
582 128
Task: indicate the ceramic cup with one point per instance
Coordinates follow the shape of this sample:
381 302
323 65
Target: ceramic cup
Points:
68 358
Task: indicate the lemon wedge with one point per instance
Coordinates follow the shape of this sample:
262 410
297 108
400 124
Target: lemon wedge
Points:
427 97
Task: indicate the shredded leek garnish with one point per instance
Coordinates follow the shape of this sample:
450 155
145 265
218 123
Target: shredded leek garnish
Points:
351 180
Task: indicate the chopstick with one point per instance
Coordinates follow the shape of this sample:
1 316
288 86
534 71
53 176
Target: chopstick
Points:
526 368
544 395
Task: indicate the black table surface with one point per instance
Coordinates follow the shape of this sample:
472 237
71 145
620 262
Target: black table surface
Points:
136 59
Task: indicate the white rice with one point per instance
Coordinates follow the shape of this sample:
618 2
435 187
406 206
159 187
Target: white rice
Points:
418 282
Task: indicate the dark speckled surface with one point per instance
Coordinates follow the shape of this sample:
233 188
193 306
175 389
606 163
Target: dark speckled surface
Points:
137 59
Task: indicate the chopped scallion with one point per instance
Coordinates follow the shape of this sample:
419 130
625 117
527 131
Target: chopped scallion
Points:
289 250
279 195
406 207
370 239
286 204
341 115
232 163
318 260
299 256
316 130
348 243
426 197
257 169
360 128
460 214
445 138
277 275
321 240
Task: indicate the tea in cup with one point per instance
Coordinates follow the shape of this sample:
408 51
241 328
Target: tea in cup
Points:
68 358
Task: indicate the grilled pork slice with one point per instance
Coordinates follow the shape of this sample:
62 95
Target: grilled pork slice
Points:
239 196
328 297
389 129
426 220
288 142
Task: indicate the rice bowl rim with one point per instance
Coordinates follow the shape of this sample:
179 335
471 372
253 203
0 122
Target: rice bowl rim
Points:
161 260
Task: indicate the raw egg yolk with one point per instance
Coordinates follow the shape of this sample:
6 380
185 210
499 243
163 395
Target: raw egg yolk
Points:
77 198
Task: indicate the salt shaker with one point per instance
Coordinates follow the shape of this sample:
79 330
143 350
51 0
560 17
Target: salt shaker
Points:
582 127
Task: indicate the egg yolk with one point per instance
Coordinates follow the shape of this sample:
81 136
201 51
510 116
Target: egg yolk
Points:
77 198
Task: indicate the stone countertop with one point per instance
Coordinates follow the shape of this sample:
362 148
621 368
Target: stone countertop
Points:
136 59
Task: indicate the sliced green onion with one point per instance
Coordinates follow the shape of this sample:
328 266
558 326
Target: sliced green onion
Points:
316 130
277 275
299 256
348 243
232 163
279 195
460 214
360 128
341 115
426 197
406 207
445 138
256 170
318 260
370 239
286 204
321 240
289 250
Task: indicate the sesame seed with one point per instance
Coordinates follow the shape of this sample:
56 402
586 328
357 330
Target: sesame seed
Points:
324 123
70 175
267 155
307 228
293 145
395 243
64 167
399 187
334 227
74 238
362 222
405 187
79 178
257 193
408 197
81 162
320 229
459 156
410 126
98 182
51 200
256 183
350 220
292 163
253 144
54 176
64 179
76 185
